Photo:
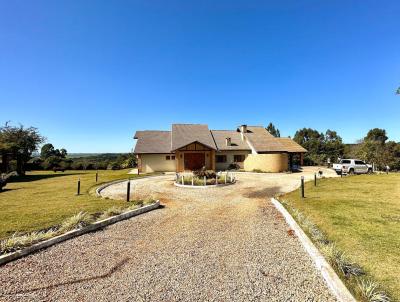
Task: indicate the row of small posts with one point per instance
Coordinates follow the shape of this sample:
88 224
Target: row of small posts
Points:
78 191
182 179
302 185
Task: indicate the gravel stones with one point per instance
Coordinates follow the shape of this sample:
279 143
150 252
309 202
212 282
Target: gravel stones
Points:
217 244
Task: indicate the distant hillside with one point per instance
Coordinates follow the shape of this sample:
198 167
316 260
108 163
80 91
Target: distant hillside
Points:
94 155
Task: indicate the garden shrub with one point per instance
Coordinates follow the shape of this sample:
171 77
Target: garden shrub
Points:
203 172
113 166
233 166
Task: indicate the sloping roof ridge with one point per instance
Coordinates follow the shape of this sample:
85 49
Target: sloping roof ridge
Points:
153 131
215 143
190 124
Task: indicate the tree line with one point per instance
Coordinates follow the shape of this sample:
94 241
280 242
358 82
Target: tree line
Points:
326 147
19 144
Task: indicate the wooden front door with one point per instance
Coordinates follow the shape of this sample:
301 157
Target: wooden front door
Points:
194 161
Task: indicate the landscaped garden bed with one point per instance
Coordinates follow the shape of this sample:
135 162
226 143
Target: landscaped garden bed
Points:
41 200
354 221
21 245
204 178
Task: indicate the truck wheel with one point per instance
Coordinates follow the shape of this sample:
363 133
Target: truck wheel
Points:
369 171
351 171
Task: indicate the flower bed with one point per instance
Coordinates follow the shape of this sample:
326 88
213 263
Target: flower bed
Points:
192 180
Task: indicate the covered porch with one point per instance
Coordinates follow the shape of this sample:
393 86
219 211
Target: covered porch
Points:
194 156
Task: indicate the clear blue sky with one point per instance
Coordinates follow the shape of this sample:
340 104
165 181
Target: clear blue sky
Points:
89 74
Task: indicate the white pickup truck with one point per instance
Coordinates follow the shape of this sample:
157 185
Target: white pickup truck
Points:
352 166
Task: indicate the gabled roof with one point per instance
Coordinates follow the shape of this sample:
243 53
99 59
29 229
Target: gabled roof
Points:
262 140
290 145
257 139
236 140
153 142
185 134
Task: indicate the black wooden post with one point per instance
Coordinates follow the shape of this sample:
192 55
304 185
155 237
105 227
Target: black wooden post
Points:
302 187
315 179
128 190
97 175
79 187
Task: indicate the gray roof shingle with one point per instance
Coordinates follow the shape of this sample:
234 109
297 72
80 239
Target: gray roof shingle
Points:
236 140
290 145
185 134
153 142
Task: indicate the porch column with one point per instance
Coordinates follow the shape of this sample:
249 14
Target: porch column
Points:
212 159
301 159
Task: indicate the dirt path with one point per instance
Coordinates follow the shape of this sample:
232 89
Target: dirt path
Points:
222 244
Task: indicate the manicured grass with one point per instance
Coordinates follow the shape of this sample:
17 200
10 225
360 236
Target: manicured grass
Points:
362 215
43 199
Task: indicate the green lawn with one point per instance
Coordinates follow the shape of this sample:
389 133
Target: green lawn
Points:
362 215
42 199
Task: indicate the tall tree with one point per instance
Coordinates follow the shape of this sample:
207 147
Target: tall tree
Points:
273 130
320 146
19 143
376 135
46 151
63 153
333 145
374 149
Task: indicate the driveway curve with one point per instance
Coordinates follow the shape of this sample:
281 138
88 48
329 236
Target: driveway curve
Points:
216 244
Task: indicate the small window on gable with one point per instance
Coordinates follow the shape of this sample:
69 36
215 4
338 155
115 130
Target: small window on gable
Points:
238 158
173 157
220 158
168 157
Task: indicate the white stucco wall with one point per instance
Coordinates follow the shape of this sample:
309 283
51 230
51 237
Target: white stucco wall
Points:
157 163
229 159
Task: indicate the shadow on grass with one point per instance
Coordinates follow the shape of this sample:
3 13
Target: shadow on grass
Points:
6 190
28 178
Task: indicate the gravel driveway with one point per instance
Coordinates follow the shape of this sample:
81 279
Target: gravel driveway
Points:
218 244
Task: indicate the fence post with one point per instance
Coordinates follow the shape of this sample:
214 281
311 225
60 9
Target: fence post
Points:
79 187
192 180
183 181
315 179
205 180
226 174
302 187
97 175
128 190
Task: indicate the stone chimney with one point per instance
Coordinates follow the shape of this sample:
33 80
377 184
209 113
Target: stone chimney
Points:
228 141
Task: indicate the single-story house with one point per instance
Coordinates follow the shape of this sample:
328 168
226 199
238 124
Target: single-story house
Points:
189 147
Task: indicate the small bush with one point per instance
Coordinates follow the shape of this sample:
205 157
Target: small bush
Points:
149 200
370 291
77 221
258 171
114 166
66 164
233 166
77 166
203 172
17 242
339 260
111 212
